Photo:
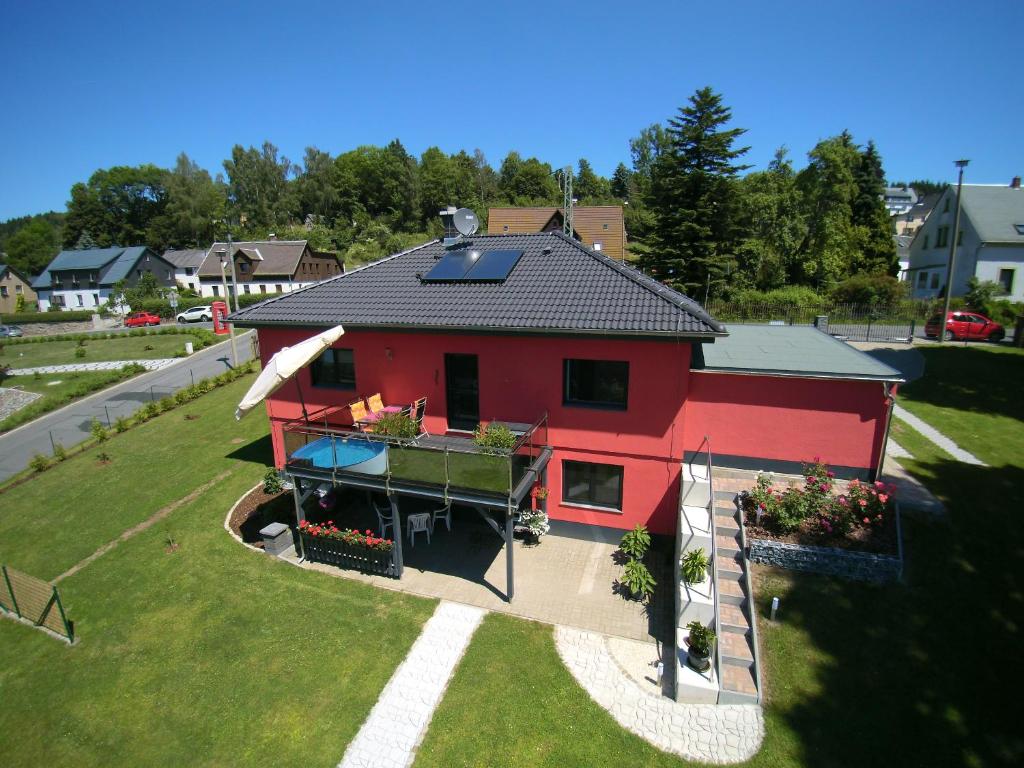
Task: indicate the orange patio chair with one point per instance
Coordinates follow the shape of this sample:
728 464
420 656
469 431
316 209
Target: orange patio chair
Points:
358 411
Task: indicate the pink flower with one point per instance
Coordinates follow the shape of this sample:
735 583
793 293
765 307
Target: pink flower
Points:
866 520
883 498
843 501
863 502
831 474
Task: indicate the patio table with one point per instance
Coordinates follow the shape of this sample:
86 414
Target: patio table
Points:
373 418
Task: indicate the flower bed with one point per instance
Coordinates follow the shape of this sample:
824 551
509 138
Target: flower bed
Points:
860 518
347 548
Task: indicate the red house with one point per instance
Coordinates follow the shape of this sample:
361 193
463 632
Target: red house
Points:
608 377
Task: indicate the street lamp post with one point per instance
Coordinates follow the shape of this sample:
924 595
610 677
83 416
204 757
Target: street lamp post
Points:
223 253
961 164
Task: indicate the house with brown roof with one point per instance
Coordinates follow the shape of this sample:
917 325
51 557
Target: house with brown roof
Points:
12 285
267 266
601 227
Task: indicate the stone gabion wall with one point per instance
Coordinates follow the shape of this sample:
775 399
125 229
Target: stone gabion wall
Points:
860 566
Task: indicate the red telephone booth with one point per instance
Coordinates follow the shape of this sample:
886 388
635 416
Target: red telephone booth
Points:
220 313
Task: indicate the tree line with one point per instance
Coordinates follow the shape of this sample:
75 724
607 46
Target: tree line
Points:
696 218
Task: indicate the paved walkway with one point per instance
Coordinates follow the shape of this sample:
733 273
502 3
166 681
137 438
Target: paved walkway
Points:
398 721
937 437
705 732
110 365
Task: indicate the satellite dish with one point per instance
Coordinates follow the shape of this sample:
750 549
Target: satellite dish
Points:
466 222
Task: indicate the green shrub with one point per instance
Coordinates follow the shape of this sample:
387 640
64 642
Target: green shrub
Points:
695 564
58 452
181 396
166 403
396 425
636 542
638 579
55 316
80 352
39 463
121 424
870 289
494 437
98 431
272 482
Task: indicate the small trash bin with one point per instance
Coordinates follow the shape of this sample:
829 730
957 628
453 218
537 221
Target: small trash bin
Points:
188 348
277 539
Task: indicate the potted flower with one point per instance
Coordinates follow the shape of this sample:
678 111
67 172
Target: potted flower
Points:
636 542
695 565
638 580
699 642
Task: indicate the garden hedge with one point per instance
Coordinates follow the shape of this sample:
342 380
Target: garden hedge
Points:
15 318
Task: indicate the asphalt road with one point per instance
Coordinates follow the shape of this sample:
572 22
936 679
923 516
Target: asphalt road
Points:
70 425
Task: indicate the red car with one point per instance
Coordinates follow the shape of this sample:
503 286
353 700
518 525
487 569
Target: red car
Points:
965 325
141 318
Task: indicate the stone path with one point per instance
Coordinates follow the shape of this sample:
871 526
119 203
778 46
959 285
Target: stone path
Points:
111 365
13 400
399 719
894 449
937 437
710 733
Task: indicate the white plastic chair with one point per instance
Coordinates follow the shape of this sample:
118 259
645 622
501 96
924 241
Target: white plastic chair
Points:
444 513
416 524
385 519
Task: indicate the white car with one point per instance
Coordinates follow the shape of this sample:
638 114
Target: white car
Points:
196 315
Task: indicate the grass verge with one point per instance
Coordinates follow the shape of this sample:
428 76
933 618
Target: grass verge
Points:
97 349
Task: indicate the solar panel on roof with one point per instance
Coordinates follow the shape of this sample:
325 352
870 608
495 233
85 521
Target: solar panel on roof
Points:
468 264
453 265
493 265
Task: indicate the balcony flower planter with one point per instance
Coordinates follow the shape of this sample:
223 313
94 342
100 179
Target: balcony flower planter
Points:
353 557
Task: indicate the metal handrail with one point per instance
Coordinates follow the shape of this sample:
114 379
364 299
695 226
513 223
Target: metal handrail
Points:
714 565
753 611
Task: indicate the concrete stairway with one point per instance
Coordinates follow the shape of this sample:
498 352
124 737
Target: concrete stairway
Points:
736 641
735 608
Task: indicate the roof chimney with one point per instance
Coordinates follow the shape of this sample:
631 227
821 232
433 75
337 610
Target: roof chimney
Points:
272 237
1015 182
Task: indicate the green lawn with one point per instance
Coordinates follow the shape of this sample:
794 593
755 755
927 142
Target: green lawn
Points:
973 394
57 389
209 654
97 350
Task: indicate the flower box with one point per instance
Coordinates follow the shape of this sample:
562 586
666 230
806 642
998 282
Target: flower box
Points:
344 555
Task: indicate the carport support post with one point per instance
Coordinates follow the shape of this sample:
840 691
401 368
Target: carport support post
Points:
510 578
397 535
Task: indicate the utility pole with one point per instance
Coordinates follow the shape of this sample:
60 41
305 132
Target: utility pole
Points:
567 201
222 254
961 164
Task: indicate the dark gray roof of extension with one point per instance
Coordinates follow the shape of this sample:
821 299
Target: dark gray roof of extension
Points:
789 350
558 286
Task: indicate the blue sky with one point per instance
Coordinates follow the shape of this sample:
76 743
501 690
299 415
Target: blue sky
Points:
91 85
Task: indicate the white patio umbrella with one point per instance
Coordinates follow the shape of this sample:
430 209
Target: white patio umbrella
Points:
285 363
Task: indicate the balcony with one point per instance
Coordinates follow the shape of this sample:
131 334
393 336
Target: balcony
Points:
433 466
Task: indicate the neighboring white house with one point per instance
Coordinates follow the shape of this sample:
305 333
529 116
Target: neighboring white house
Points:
899 199
186 266
991 242
85 279
267 266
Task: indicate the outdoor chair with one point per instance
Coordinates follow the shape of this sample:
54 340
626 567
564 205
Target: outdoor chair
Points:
418 523
385 519
359 416
377 407
417 411
444 513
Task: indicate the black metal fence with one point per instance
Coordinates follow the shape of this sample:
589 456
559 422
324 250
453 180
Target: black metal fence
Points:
853 322
34 601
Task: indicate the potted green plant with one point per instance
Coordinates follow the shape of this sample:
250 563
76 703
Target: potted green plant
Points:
396 425
638 580
695 565
494 438
636 542
699 642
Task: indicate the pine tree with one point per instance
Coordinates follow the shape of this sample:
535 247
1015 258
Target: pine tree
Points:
876 252
694 198
621 182
85 242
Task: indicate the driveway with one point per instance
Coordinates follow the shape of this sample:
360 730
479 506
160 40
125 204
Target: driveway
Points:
70 425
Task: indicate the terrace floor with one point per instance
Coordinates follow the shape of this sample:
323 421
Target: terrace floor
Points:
560 581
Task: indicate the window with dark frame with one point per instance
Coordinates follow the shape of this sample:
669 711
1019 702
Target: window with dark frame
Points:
335 368
593 485
1006 280
596 383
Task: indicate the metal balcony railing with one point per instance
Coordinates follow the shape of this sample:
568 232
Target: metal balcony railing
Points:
323 447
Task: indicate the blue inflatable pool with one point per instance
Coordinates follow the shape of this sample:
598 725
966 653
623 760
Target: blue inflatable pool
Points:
351 454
